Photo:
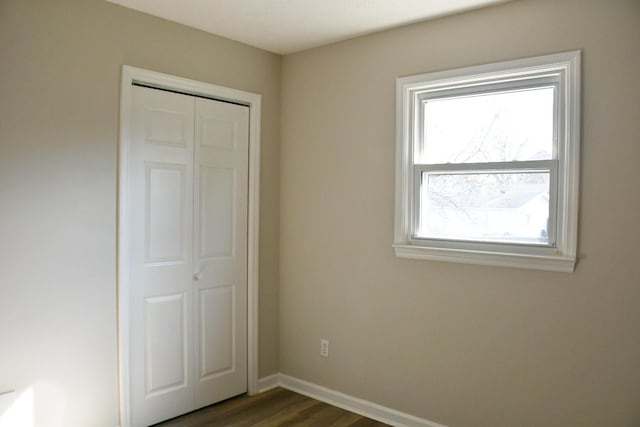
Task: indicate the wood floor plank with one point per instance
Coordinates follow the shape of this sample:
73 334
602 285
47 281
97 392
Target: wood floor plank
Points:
346 420
274 408
289 415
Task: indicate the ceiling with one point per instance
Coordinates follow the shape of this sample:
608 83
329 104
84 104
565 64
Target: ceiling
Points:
287 26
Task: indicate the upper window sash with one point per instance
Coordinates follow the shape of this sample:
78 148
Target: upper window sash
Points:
523 83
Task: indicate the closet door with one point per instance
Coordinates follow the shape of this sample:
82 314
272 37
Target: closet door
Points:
161 255
188 196
220 250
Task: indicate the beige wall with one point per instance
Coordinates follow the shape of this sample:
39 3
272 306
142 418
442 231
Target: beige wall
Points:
460 344
59 105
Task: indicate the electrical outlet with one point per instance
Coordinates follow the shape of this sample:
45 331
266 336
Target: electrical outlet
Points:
324 347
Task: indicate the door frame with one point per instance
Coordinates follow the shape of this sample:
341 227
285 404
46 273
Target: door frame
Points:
158 80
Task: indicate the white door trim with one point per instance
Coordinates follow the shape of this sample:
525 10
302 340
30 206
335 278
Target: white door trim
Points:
132 75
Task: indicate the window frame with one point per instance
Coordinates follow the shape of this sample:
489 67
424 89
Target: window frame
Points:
562 71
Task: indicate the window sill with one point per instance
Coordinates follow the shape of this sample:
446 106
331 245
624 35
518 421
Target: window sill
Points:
501 259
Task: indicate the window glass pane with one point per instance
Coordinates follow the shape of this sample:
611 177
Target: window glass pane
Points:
508 207
493 127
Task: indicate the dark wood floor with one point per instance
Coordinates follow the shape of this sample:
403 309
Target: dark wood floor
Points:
277 407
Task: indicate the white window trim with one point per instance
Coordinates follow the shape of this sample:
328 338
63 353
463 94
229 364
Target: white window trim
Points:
563 256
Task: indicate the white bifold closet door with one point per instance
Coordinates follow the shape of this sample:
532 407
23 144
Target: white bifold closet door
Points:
187 186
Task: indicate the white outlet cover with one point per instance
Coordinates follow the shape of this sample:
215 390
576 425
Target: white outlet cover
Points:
324 347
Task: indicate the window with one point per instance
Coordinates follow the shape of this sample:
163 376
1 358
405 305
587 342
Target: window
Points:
487 164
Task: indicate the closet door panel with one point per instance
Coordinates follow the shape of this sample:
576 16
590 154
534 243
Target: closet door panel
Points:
217 193
160 188
220 248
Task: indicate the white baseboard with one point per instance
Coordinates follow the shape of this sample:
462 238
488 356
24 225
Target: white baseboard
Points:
344 401
267 383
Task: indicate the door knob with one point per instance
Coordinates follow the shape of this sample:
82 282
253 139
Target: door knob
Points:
197 276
